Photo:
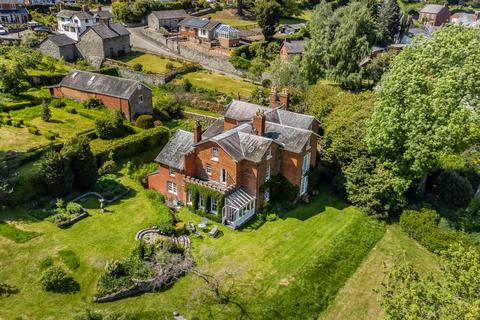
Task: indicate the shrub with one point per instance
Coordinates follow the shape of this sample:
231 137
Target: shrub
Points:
71 110
165 222
281 190
33 130
453 189
7 289
110 126
46 263
46 113
56 173
144 121
49 135
83 162
138 67
169 66
16 124
57 103
69 258
74 208
55 279
240 63
155 196
108 166
157 123
187 85
93 103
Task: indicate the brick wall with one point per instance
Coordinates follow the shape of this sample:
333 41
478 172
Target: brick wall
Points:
159 180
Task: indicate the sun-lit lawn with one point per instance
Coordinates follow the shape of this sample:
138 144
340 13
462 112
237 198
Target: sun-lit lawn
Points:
219 82
19 139
228 17
270 257
395 247
150 62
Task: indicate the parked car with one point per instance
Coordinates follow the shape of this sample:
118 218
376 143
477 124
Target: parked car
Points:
3 31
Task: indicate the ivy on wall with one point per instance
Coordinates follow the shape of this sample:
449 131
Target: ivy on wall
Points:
208 195
281 190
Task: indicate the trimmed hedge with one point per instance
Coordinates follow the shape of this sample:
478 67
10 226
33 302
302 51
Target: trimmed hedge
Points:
134 144
11 106
71 110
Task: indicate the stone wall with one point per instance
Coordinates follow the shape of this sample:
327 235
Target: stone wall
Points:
215 61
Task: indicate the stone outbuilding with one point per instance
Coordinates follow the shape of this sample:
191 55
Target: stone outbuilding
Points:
292 48
166 19
58 46
130 97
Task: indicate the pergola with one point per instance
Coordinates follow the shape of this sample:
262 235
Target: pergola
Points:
239 208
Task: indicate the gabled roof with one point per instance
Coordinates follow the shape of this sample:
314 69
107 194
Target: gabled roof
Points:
102 14
432 8
291 139
70 13
100 83
61 40
294 46
193 22
173 152
243 111
113 30
170 14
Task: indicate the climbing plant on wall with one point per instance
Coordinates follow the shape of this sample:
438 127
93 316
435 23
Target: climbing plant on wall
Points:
208 195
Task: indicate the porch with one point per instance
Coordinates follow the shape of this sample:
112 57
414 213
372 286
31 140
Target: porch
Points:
239 208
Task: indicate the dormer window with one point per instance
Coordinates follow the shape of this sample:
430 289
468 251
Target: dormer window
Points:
215 153
269 153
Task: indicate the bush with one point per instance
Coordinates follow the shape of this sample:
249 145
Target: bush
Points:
144 121
83 162
55 279
46 263
169 66
240 63
33 130
93 103
49 135
57 103
138 67
453 189
108 166
71 110
69 258
134 144
56 173
110 126
46 113
281 190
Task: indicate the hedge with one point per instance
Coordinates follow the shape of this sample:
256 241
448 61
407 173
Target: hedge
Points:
11 106
133 144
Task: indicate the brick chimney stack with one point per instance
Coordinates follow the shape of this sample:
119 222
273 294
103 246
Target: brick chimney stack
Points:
283 99
197 132
259 122
272 98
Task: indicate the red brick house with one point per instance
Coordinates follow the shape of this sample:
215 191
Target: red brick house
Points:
231 160
130 97
292 48
434 15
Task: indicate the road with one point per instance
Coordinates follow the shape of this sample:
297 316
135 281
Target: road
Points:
140 41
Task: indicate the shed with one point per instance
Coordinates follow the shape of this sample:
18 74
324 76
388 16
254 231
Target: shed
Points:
166 19
57 46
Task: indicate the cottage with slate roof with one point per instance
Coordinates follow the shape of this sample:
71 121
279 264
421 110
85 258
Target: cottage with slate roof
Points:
235 157
166 19
58 46
130 97
292 48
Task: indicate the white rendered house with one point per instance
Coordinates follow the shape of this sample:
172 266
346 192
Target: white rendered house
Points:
74 23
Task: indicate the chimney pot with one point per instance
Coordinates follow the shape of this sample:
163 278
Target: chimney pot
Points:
197 132
259 122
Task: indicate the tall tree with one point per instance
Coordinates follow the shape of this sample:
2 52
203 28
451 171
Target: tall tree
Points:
388 21
427 103
83 162
57 173
240 8
339 42
267 13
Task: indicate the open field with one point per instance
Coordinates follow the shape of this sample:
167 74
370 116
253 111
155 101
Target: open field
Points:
219 82
150 62
395 247
271 258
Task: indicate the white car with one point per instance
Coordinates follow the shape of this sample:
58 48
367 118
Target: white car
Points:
3 31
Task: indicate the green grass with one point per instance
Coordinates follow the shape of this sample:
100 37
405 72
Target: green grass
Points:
9 231
221 83
231 19
69 258
203 112
394 248
150 62
19 139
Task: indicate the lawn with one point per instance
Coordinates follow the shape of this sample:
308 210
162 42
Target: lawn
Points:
270 258
19 139
394 248
229 17
150 62
222 83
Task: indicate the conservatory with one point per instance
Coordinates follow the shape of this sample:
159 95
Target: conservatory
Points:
227 36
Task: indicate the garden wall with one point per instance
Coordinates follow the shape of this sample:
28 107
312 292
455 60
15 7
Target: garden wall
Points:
217 62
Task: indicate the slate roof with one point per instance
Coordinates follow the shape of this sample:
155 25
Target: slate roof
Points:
193 22
294 46
80 14
14 11
173 152
99 83
291 139
244 111
432 8
61 40
113 30
103 14
170 14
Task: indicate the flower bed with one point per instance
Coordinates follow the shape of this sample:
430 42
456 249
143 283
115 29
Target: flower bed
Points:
66 215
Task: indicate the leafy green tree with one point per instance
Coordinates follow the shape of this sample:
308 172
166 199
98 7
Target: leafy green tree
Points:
110 126
13 79
83 162
267 13
378 66
453 189
286 73
290 8
454 295
57 173
340 40
46 114
426 105
388 21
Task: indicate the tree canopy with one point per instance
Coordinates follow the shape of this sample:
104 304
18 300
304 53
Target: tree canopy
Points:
268 16
427 102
